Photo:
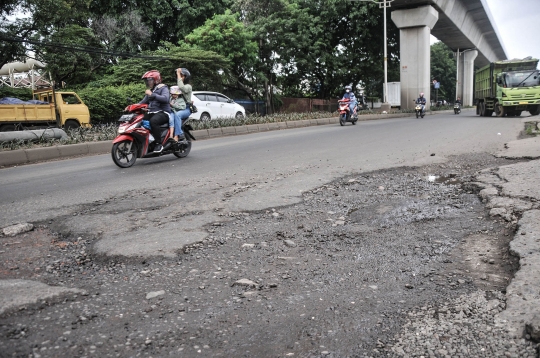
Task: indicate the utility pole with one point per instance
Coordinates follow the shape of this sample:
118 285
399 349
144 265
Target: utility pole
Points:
383 4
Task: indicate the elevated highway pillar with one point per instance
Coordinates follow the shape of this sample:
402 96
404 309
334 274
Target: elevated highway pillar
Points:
414 29
465 85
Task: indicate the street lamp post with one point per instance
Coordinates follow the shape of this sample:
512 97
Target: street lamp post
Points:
383 4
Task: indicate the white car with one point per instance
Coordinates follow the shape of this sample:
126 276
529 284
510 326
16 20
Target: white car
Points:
213 105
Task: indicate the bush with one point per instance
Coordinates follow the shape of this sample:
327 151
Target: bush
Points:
106 104
21 93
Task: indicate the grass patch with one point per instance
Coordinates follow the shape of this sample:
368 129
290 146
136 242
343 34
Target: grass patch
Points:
531 128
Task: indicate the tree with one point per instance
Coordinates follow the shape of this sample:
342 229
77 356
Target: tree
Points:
225 35
314 48
72 67
443 69
167 20
37 18
203 65
125 32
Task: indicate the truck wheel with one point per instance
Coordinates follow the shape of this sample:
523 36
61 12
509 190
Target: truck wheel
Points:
534 110
71 124
482 109
500 111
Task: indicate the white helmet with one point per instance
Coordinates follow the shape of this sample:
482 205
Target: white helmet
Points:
175 90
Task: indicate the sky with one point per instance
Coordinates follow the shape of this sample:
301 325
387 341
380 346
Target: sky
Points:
518 25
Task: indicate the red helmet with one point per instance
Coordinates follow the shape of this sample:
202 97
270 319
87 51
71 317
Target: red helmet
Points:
154 75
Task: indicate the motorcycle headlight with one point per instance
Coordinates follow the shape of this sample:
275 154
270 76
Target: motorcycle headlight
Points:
121 129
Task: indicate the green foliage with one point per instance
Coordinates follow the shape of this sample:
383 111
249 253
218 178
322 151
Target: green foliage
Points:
320 46
225 35
21 93
203 65
167 20
107 103
443 69
72 67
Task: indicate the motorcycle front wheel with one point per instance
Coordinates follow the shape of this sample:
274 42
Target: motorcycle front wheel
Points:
124 153
417 114
183 152
342 119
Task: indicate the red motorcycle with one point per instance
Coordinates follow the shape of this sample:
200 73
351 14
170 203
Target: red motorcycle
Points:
345 114
134 140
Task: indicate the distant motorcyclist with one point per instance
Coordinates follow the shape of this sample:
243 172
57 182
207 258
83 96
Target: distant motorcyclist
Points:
422 101
349 94
458 101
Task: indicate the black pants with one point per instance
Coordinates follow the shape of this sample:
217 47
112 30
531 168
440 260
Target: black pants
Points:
156 121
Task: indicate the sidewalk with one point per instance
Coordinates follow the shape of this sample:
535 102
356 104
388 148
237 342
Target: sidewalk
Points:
512 192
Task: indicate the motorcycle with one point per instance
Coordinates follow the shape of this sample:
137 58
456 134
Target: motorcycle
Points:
457 108
345 114
135 141
419 112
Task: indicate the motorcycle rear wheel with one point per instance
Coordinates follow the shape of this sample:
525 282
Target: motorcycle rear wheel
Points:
183 153
124 153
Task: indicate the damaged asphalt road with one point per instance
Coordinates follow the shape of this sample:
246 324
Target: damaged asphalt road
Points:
381 263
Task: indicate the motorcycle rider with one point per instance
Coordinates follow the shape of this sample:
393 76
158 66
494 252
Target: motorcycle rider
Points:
422 101
157 98
349 94
458 101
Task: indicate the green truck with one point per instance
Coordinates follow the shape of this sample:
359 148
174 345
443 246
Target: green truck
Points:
508 88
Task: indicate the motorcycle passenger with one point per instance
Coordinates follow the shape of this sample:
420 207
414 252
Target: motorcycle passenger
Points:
422 101
175 123
183 77
349 94
157 98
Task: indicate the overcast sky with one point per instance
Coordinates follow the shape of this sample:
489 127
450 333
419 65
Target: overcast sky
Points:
518 24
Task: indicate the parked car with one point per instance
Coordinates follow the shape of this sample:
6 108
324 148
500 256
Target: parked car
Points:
212 105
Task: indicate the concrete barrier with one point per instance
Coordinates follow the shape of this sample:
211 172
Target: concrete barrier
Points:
99 147
72 150
228 130
252 128
42 154
13 157
241 130
273 126
201 134
214 132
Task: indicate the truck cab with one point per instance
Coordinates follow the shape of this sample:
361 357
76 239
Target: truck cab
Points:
71 112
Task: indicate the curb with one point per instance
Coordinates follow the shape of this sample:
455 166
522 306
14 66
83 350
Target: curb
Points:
34 155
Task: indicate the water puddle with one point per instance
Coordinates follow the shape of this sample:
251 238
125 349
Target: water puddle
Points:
441 179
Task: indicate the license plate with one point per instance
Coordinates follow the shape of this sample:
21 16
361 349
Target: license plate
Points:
125 118
523 102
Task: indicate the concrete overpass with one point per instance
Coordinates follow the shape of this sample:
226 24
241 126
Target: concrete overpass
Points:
464 25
